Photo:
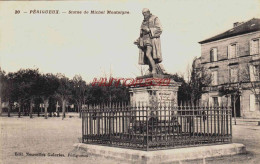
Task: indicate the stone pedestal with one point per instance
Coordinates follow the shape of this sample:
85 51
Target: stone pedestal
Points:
151 89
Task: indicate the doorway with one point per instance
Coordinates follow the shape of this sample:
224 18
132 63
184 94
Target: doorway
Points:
237 103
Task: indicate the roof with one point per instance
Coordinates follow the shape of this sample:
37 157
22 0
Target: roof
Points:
250 26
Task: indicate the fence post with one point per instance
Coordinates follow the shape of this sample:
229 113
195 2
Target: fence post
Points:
109 118
230 114
83 117
147 128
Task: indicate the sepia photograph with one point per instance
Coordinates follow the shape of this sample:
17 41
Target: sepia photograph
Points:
129 81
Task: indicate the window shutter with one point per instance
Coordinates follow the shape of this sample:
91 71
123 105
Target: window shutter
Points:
219 101
237 50
236 75
228 51
215 54
252 102
210 101
211 56
213 78
251 47
230 74
258 46
252 73
257 72
216 77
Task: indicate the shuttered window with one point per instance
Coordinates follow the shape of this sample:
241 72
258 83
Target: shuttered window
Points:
254 46
213 55
257 102
215 101
252 102
257 72
234 75
232 51
254 72
214 78
219 101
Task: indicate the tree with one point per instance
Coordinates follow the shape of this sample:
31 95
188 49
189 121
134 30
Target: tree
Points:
64 91
192 88
199 79
7 89
119 94
232 90
184 90
2 78
106 93
47 86
78 92
22 88
26 81
4 89
251 75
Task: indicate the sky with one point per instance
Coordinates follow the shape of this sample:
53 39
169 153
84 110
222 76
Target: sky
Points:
95 46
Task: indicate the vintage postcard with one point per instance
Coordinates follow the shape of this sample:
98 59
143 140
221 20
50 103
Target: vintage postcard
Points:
130 81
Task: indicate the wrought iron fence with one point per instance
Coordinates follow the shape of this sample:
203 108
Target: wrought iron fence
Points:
155 126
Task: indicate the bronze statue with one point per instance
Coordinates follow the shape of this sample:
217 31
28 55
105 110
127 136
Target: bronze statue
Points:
149 43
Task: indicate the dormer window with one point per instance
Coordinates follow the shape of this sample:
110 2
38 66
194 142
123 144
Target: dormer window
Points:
232 51
213 55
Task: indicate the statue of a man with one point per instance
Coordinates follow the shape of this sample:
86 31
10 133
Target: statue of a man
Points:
149 43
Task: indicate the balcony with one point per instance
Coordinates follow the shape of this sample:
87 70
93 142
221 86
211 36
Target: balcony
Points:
209 89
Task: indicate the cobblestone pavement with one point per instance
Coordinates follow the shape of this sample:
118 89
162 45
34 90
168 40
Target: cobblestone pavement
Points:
56 136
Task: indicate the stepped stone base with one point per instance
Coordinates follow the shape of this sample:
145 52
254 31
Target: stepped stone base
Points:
163 156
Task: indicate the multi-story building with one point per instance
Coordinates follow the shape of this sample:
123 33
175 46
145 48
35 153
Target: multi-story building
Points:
232 59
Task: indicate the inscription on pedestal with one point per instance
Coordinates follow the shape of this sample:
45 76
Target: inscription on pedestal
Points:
155 94
165 96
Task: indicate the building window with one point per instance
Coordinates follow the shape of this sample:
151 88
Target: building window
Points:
254 72
215 101
254 46
232 51
213 55
233 75
214 77
257 101
254 102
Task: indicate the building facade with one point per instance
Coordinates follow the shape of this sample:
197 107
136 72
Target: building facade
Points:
232 59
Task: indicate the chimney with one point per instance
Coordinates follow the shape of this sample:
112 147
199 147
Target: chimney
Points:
236 24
